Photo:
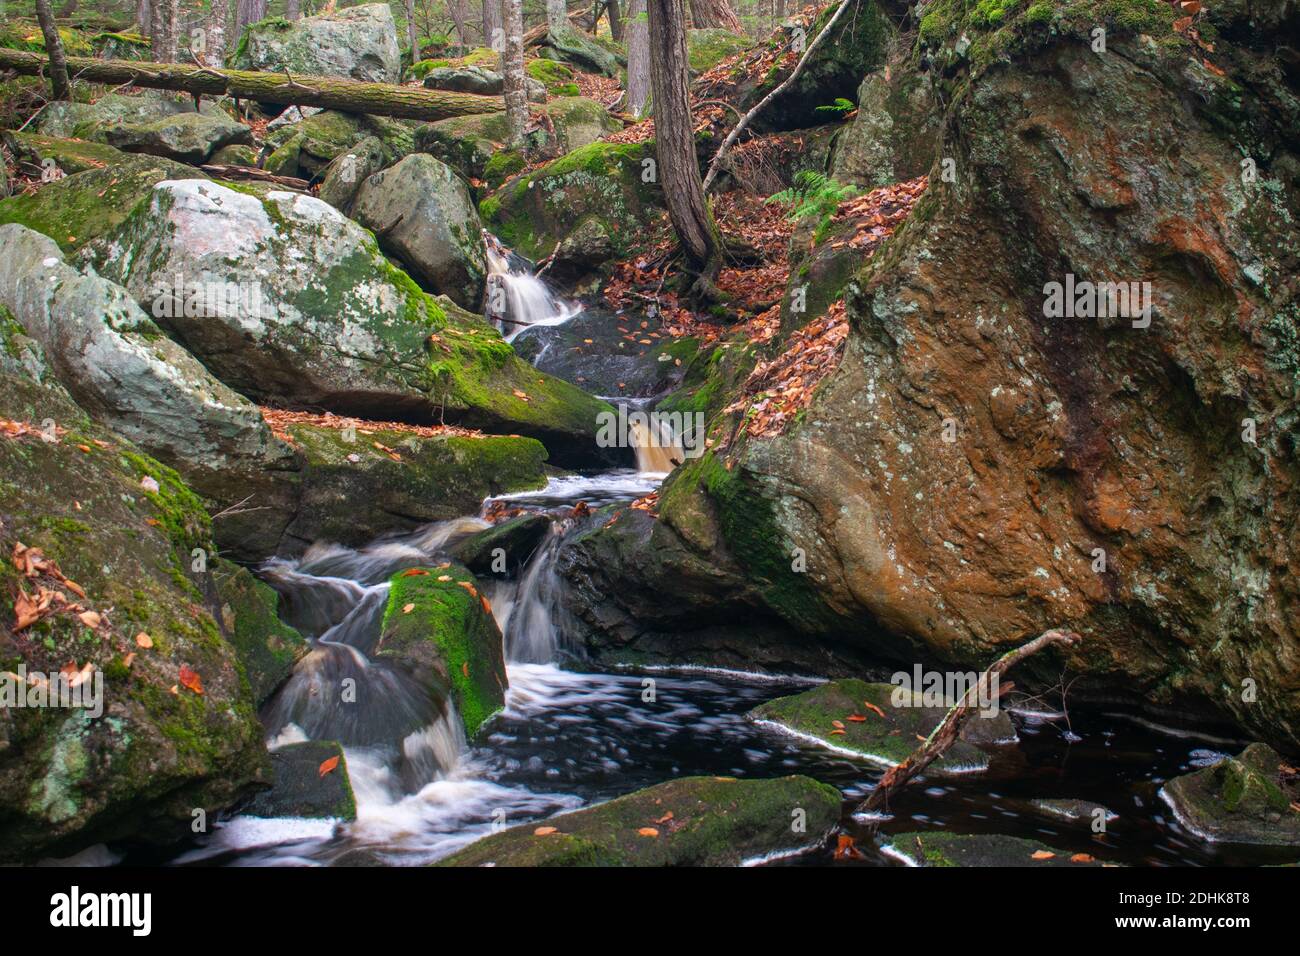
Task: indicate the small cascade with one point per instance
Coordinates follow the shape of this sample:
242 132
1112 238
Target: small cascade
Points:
657 450
523 298
526 610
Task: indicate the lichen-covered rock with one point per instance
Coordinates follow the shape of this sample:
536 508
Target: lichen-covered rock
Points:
479 80
843 714
439 629
324 320
359 43
1244 799
424 215
694 821
978 849
306 146
67 155
299 788
347 171
382 481
123 527
119 366
186 137
894 135
92 121
580 51
246 613
605 182
78 208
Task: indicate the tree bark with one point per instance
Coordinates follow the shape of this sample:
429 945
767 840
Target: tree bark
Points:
557 14
459 13
411 38
293 9
638 60
675 143
615 21
143 17
714 13
218 21
715 166
492 24
246 12
944 735
512 69
60 85
350 96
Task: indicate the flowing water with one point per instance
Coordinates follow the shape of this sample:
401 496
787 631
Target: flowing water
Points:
516 297
568 738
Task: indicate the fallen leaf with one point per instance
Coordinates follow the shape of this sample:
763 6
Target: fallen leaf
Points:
90 618
469 587
464 668
328 765
1082 858
665 818
1042 855
143 640
413 573
544 831
873 708
190 680
838 724
857 718
408 608
648 831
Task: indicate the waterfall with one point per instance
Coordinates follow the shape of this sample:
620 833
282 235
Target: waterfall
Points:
526 610
657 450
517 298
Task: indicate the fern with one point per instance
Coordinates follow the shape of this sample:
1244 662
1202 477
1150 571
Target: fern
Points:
840 107
813 194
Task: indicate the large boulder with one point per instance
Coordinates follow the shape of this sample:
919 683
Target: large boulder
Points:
307 145
186 137
439 629
323 320
423 215
344 175
169 727
119 366
694 821
479 80
359 43
68 156
979 467
1250 798
93 121
579 50
894 135
356 486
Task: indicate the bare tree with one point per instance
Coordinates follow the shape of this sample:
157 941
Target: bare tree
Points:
412 35
143 17
492 23
165 16
557 14
218 21
292 9
638 59
246 12
615 20
679 170
512 69
714 13
459 12
60 85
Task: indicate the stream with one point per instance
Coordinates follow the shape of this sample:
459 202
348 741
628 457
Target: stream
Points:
569 738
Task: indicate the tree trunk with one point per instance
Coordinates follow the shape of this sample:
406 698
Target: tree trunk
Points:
60 85
411 32
493 35
512 69
638 60
675 143
714 13
246 12
328 92
615 21
143 17
557 14
163 33
218 20
460 18
292 9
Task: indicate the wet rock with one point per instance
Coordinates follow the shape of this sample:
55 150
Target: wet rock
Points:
514 539
1244 799
591 351
383 481
696 821
299 789
120 367
186 137
422 214
439 629
1078 812
70 777
359 43
246 613
837 706
324 320
978 849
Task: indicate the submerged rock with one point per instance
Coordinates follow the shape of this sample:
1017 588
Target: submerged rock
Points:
383 481
359 43
1244 799
300 789
423 215
842 714
176 727
439 629
978 849
694 821
1079 812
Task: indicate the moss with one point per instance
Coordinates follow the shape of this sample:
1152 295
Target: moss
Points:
550 72
453 616
267 647
502 165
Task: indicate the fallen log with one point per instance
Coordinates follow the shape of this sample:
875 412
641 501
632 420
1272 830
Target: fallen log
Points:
253 174
945 734
351 96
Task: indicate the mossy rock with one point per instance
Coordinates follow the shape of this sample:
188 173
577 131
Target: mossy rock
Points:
836 706
355 490
1242 799
305 148
581 51
76 209
696 821
69 155
439 628
300 790
552 73
246 612
978 849
356 43
235 155
160 749
185 137
706 47
513 540
94 121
